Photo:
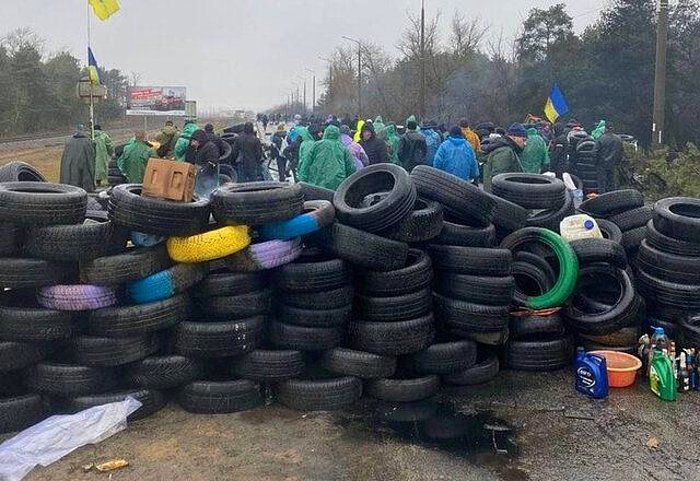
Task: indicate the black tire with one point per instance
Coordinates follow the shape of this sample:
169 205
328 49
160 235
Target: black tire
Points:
219 397
404 390
329 299
594 346
539 354
129 209
255 203
360 364
690 327
445 358
314 276
80 242
399 196
229 284
531 279
668 294
551 219
456 234
494 291
131 321
109 351
480 373
11 240
393 338
530 191
362 248
525 326
460 199
541 261
313 192
31 324
632 219
471 317
609 230
324 318
632 239
41 203
612 203
679 218
269 366
668 267
508 216
151 400
423 223
18 355
69 380
667 244
416 275
319 395
20 172
19 273
471 260
625 312
130 266
383 309
300 338
257 303
219 339
20 412
115 180
162 372
607 251
627 336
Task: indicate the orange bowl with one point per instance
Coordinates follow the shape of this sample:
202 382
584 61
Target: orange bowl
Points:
622 367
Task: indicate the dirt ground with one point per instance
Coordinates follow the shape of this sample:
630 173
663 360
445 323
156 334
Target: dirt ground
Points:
556 435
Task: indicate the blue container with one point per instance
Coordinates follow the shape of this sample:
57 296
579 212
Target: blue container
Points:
591 373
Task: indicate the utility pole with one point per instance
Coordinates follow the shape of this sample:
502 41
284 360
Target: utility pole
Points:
313 95
330 75
359 74
303 79
657 128
422 60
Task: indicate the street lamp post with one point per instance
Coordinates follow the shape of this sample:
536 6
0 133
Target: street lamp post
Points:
313 89
303 79
359 73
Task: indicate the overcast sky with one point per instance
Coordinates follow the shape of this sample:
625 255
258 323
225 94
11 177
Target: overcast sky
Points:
245 53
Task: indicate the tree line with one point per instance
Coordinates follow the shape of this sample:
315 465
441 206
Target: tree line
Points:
606 72
39 89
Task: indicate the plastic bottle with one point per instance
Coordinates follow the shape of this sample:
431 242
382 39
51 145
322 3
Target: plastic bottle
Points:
591 374
661 379
683 374
571 186
580 226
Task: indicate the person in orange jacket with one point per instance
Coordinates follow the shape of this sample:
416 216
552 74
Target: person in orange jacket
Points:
470 135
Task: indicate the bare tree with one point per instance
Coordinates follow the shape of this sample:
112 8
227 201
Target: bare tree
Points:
20 39
409 44
467 35
134 79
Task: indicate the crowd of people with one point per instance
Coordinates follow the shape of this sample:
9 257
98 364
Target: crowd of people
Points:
325 152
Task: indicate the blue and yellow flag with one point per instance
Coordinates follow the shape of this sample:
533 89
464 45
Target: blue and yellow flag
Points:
92 68
104 8
556 105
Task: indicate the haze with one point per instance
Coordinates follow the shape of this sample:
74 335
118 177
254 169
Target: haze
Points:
245 53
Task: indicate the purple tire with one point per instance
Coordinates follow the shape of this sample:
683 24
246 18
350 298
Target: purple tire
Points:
80 297
265 255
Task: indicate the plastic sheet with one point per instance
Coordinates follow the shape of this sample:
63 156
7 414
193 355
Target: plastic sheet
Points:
53 438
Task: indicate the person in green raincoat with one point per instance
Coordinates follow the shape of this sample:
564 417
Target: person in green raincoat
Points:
103 152
78 161
328 163
132 162
599 130
184 141
307 142
535 155
378 124
394 140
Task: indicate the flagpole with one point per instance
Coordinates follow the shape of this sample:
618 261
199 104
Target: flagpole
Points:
92 101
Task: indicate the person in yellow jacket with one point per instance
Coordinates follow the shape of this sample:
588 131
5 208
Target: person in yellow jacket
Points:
470 135
358 131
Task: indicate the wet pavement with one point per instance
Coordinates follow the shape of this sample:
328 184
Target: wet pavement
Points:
520 426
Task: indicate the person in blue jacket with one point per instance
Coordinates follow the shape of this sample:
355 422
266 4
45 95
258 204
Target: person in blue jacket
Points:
456 156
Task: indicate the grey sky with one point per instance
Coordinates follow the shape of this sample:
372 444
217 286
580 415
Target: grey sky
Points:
245 53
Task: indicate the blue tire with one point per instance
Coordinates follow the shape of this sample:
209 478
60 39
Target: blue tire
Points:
318 214
156 287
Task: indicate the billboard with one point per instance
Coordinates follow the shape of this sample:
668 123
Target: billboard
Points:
156 101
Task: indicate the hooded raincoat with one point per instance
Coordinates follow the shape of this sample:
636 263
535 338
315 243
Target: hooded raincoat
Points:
394 140
377 150
472 138
132 162
103 152
358 130
358 153
183 142
379 124
433 141
599 130
535 156
502 159
328 163
307 142
78 162
456 156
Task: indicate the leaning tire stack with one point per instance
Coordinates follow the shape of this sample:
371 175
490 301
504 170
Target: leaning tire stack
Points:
585 164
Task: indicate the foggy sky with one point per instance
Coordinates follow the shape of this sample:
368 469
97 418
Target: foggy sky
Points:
246 53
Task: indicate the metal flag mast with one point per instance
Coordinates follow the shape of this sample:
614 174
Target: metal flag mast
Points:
92 100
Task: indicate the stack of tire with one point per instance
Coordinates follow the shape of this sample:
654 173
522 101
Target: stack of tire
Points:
585 166
668 263
114 175
605 312
626 209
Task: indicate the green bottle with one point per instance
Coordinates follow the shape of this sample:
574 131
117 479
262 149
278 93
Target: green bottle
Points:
661 380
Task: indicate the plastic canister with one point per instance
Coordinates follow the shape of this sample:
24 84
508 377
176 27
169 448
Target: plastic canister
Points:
580 226
661 380
591 374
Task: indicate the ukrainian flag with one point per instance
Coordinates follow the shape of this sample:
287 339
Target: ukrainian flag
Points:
556 105
104 8
92 69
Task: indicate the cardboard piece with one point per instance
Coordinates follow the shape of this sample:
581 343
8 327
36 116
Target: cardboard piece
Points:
169 180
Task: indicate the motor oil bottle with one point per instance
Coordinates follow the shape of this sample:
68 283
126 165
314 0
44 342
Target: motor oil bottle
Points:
659 341
591 374
580 226
661 379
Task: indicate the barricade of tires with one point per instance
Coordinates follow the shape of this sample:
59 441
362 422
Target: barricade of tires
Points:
585 162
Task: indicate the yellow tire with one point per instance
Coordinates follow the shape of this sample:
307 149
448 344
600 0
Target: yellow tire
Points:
208 246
